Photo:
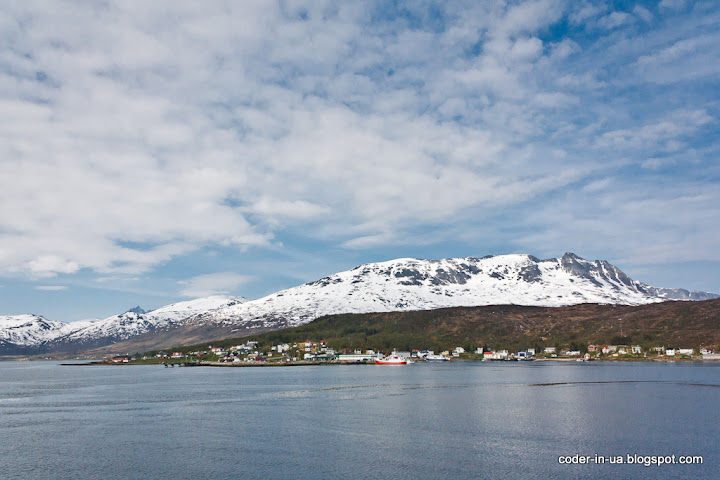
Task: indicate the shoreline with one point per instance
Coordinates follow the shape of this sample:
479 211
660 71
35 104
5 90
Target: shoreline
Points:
330 363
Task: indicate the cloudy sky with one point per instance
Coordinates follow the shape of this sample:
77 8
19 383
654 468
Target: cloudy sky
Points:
157 151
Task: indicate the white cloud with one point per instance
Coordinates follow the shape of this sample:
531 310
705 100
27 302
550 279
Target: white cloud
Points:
584 11
662 136
643 13
614 20
645 225
51 288
222 283
672 4
128 139
684 59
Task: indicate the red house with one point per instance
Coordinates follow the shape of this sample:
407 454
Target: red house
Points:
122 359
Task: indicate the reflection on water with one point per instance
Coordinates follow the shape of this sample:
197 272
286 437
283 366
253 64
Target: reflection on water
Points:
466 420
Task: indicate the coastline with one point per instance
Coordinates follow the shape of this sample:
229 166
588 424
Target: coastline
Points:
330 363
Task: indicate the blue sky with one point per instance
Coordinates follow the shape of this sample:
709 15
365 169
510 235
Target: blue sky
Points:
152 152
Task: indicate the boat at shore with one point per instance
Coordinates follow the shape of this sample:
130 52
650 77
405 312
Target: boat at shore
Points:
436 358
391 360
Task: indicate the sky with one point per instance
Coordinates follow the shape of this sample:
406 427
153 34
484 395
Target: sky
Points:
153 152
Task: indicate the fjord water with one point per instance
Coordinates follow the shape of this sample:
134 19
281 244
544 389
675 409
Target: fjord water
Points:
448 420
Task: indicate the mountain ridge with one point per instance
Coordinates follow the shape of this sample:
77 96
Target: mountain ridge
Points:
403 284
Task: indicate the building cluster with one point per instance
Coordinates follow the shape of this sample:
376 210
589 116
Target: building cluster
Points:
617 350
250 351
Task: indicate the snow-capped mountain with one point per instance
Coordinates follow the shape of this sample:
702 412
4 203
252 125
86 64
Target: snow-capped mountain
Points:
396 285
412 284
32 333
27 330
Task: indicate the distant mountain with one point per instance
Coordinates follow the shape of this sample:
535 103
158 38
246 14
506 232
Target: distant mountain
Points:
680 293
32 334
397 285
22 334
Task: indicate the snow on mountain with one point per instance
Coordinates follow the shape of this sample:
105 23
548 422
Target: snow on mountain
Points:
32 331
397 285
28 330
131 323
412 284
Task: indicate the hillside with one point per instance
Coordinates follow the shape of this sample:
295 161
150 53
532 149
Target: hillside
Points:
510 326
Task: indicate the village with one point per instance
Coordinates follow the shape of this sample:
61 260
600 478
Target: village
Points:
252 353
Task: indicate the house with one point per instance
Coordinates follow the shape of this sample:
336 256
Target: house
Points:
550 350
605 350
636 349
531 351
592 348
479 351
573 353
707 351
670 352
622 349
459 350
123 359
612 348
176 355
686 351
499 355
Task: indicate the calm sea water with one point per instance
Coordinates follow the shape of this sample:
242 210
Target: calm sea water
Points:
450 420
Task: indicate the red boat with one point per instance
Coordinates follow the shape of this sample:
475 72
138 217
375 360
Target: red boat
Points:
391 360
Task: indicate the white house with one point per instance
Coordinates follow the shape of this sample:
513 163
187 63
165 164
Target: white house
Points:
686 351
499 355
636 349
670 352
550 350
